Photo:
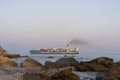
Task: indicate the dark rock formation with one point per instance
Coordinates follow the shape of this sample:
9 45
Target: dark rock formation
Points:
114 71
65 74
105 61
12 55
17 73
35 76
50 68
8 54
29 62
50 65
98 64
82 66
65 62
6 62
61 74
105 78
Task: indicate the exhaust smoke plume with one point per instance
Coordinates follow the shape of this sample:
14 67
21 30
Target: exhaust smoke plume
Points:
77 42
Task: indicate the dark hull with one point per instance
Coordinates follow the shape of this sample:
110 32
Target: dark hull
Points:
38 52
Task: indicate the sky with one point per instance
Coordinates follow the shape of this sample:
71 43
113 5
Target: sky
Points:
32 24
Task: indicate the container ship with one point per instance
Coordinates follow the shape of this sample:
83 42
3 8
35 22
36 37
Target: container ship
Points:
67 50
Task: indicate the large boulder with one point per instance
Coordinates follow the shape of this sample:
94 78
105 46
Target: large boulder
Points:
65 74
98 64
8 54
50 68
29 62
105 61
6 62
35 76
105 78
91 67
82 68
50 65
65 62
96 67
12 55
114 71
17 73
62 74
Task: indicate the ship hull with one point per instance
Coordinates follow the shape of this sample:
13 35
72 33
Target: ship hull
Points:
38 52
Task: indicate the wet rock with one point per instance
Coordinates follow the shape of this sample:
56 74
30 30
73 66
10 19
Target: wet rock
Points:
91 67
105 78
50 68
66 69
6 62
50 57
62 74
50 65
8 54
98 64
24 56
105 61
97 67
17 73
82 67
35 76
12 55
65 62
29 62
65 74
114 71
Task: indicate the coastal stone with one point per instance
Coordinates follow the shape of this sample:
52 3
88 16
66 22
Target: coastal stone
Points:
105 61
50 65
114 71
29 62
105 78
12 55
50 68
35 76
65 62
91 67
98 64
6 62
8 54
82 67
17 73
96 67
62 74
65 74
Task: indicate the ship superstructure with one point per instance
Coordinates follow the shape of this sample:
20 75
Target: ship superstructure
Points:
67 50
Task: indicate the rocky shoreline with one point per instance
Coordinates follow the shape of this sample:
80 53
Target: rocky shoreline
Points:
62 69
5 53
30 69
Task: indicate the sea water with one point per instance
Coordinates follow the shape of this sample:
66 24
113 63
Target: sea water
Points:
42 58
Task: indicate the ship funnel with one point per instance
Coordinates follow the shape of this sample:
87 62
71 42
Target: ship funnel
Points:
76 49
67 49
